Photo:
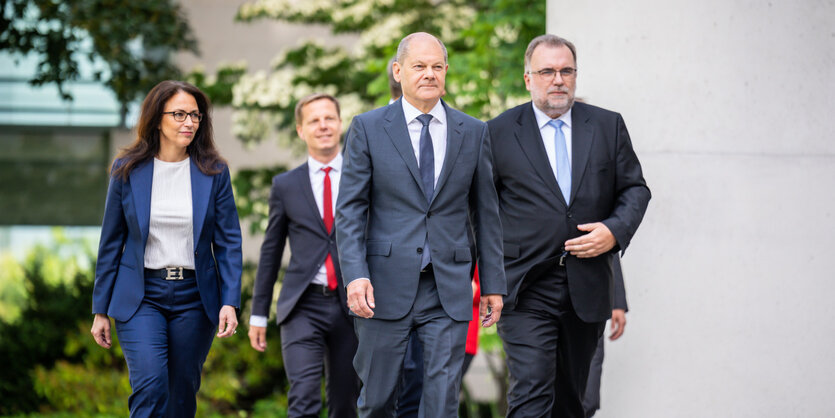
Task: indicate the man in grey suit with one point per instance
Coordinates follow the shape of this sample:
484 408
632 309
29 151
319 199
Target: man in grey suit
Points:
416 174
571 194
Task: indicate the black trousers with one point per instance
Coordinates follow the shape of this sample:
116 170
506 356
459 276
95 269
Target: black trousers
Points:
318 332
549 350
591 400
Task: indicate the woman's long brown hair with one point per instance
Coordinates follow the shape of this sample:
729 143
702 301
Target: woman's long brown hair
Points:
202 148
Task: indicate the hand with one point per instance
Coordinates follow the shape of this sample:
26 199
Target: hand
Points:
490 310
229 320
618 323
101 330
598 240
258 338
361 298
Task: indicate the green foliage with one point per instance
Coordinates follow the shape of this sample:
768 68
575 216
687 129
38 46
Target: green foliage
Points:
219 86
58 370
486 41
48 316
133 39
252 194
12 289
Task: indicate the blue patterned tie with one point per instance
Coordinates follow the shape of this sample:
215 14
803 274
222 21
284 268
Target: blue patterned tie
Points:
427 176
563 163
427 157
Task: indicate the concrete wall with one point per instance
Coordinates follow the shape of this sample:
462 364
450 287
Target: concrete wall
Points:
729 107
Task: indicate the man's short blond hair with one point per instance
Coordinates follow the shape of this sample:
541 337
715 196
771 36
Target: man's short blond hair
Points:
310 99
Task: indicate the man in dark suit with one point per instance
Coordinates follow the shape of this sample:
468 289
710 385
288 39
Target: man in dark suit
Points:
415 172
311 308
591 399
571 192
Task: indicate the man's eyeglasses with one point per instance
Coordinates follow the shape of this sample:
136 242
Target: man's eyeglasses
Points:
180 116
548 74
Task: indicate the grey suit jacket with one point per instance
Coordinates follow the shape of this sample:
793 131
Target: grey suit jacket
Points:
382 216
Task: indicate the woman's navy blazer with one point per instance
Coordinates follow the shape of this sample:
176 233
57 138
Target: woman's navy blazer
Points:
119 286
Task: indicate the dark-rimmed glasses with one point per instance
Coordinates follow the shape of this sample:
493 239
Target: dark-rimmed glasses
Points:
180 116
548 74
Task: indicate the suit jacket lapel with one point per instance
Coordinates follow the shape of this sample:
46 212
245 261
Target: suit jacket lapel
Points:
454 139
395 127
141 178
582 135
201 189
530 139
303 181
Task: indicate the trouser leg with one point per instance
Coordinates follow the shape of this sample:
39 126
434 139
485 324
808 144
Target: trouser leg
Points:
444 343
342 384
190 336
144 342
303 348
576 348
411 385
591 399
378 362
530 345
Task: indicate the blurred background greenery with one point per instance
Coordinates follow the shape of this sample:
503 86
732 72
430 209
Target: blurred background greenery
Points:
54 368
72 75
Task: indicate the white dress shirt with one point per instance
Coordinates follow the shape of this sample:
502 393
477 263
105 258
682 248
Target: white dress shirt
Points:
547 132
170 228
437 129
317 183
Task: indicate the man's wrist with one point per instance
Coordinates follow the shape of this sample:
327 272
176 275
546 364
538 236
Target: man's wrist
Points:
258 321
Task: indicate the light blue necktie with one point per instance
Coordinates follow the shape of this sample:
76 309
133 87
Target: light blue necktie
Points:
563 163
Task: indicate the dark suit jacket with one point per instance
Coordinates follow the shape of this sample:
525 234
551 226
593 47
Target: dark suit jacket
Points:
382 215
607 186
293 214
619 287
218 262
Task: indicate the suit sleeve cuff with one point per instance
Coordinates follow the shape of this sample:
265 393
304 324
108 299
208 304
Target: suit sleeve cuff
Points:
359 278
258 321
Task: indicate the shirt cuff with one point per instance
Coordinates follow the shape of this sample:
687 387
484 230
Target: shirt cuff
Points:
258 321
360 278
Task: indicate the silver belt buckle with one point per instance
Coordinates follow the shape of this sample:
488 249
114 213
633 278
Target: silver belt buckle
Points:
174 273
562 259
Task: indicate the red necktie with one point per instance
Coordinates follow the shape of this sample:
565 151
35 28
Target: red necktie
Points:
327 210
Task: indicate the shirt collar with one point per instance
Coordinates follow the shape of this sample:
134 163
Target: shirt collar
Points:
315 165
542 119
438 113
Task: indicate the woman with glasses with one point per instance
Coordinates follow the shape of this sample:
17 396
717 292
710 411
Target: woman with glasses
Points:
169 261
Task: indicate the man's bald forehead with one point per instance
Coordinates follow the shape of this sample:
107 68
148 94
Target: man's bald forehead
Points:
403 47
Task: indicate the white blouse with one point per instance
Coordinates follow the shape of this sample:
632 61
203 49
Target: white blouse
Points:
171 228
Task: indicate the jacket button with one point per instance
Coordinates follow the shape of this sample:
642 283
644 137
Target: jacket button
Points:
195 253
420 250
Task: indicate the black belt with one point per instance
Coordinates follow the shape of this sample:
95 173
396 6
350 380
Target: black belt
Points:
427 269
321 289
170 273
